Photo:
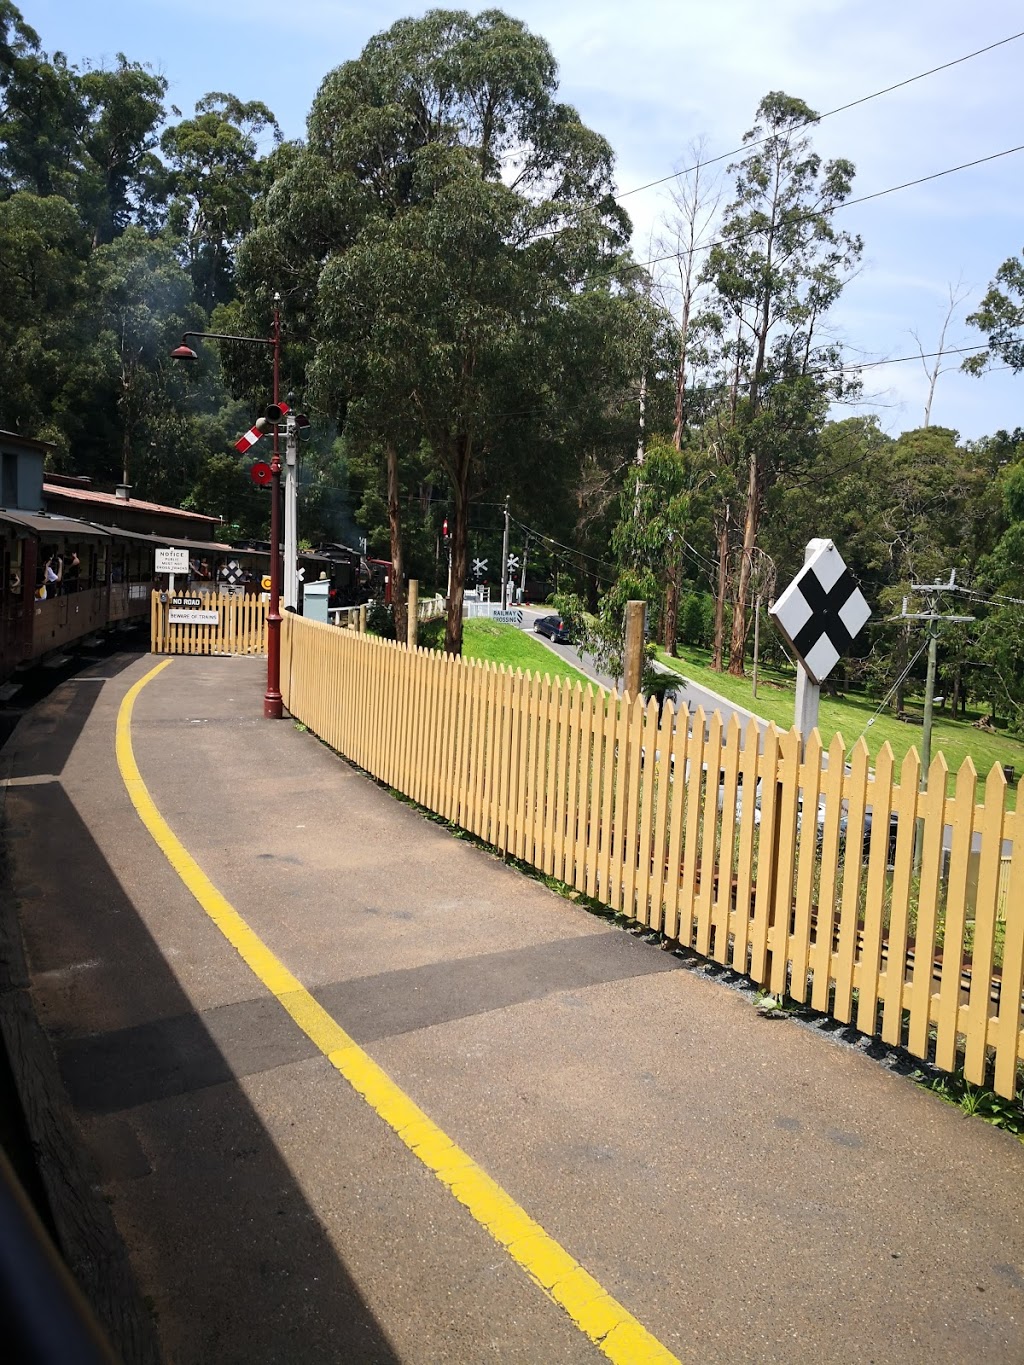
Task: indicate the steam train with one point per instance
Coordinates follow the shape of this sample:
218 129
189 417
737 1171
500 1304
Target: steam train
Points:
63 579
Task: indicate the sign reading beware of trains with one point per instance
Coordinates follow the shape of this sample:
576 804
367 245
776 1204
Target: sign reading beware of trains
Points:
192 616
822 611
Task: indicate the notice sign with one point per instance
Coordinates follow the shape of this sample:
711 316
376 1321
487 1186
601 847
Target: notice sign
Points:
191 616
171 561
511 617
186 601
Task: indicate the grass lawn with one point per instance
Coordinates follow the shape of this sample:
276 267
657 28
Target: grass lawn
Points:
483 639
849 715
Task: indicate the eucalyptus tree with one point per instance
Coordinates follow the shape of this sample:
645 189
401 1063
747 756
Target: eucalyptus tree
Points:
215 171
442 237
1001 316
120 177
43 253
41 112
776 270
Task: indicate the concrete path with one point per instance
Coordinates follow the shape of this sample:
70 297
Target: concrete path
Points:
749 1190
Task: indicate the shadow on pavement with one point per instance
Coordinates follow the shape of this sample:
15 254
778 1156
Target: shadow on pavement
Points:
234 1262
60 719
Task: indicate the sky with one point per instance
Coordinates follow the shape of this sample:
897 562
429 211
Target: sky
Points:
653 76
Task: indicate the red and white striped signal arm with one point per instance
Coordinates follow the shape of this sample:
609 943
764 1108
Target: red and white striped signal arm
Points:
274 414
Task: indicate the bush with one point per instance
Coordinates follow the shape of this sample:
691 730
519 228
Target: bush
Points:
380 620
430 634
691 620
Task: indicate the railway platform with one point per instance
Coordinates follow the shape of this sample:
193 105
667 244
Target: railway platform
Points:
311 1078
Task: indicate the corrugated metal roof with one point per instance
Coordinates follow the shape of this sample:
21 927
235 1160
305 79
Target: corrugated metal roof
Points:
60 526
89 495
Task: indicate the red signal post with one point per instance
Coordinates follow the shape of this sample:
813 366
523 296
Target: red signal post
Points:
273 705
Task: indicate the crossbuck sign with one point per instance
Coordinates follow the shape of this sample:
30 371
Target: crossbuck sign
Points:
822 611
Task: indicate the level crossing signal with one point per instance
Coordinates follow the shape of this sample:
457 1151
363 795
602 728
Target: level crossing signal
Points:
821 612
276 412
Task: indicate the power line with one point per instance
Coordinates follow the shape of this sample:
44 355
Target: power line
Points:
846 204
995 599
885 700
561 544
839 109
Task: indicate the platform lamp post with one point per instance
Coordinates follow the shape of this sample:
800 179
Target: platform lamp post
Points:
273 706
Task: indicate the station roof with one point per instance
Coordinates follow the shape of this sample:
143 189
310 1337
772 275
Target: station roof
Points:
93 498
61 526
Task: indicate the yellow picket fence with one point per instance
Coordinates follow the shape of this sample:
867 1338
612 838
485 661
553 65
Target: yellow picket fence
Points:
850 890
241 627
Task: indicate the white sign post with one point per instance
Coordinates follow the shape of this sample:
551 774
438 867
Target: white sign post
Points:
820 614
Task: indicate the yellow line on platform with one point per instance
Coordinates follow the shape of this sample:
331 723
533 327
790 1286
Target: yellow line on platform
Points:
603 1319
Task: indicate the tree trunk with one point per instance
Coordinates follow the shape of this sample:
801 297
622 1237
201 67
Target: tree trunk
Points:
738 643
671 618
459 549
718 648
677 423
395 527
593 591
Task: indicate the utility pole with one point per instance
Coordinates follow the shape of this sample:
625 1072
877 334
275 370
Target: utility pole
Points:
932 593
504 561
291 483
522 577
757 638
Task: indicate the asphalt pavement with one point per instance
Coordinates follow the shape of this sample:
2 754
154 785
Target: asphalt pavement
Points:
686 693
749 1190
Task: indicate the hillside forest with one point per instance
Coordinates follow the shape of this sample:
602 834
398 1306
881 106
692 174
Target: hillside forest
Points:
464 320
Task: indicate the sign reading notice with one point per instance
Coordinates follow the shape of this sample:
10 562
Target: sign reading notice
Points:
189 616
171 561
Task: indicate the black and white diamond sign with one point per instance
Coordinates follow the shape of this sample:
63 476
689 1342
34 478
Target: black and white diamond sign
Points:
822 611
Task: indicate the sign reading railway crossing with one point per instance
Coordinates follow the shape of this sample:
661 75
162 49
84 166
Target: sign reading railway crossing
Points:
822 611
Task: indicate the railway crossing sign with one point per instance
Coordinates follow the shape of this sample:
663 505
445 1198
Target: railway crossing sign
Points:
479 568
822 611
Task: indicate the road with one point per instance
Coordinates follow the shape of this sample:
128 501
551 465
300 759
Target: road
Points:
688 693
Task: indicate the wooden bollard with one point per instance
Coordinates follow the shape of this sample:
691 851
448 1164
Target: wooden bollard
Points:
412 611
633 652
362 619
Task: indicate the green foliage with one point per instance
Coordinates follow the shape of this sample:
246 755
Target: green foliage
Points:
214 174
447 313
976 1101
1001 316
380 620
696 620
